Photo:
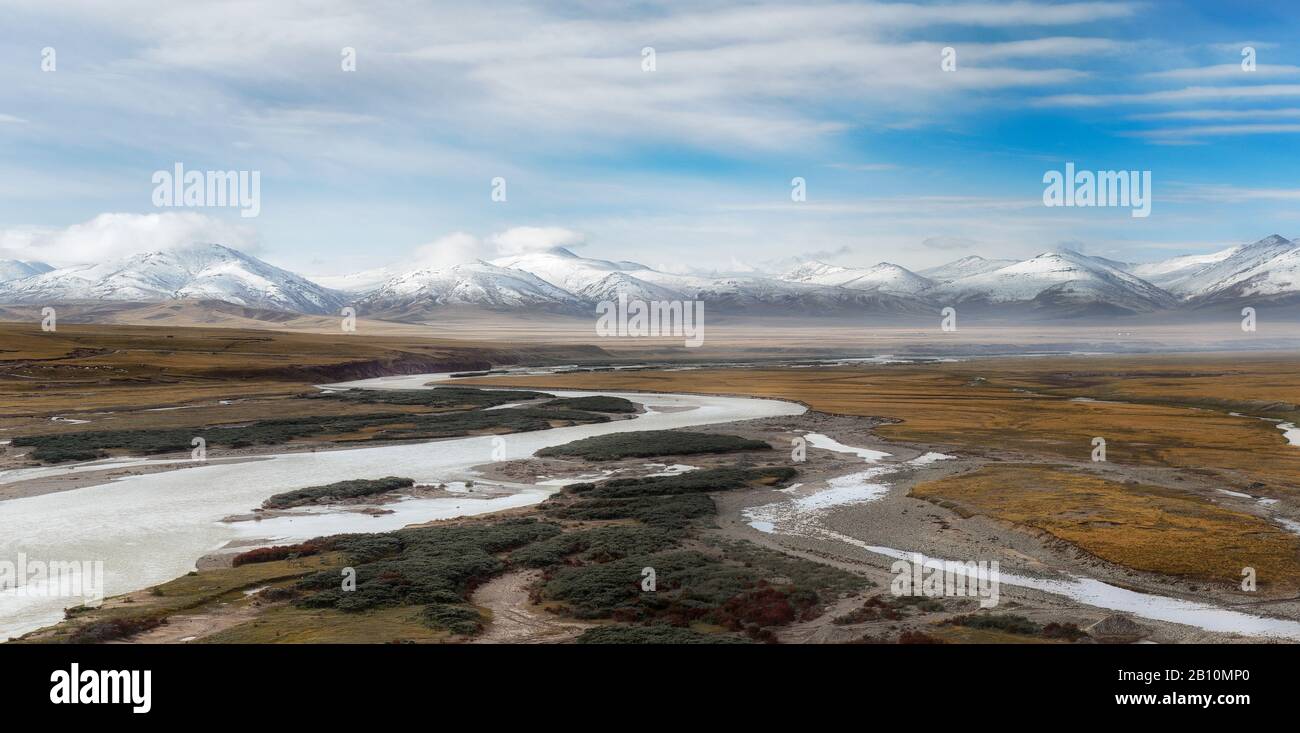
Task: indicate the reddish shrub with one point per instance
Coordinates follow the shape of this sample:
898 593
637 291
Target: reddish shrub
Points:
918 637
115 628
762 606
271 554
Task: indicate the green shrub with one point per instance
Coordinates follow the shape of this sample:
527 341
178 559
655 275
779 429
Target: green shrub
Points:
647 443
594 403
664 512
336 492
458 619
600 544
88 445
114 628
707 480
658 634
421 565
436 397
1010 623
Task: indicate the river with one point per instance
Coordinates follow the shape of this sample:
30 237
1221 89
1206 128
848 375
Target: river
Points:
151 528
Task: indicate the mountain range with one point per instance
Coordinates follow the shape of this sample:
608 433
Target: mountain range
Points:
1051 284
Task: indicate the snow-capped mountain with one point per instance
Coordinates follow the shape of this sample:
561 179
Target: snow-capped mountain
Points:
1266 269
18 269
964 267
476 283
356 283
1057 280
1059 283
564 269
884 277
1168 273
609 287
198 271
593 280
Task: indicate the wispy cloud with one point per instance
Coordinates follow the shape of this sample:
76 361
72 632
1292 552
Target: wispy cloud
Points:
1224 71
1221 114
1217 130
1186 94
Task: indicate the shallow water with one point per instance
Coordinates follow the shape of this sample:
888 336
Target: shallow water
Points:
802 517
817 440
1103 595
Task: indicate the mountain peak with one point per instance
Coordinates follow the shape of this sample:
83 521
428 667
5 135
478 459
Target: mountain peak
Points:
811 269
200 271
1271 240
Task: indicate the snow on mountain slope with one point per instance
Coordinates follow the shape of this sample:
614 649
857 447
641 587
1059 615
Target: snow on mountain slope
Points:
1169 273
17 269
744 293
1263 268
964 267
1057 280
357 282
1278 276
198 271
609 287
819 273
1065 282
884 277
564 269
476 283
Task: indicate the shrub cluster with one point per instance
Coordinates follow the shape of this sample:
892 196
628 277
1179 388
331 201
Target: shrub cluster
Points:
666 502
436 397
647 443
658 634
114 628
1008 622
88 445
456 618
338 491
279 552
421 565
599 545
594 403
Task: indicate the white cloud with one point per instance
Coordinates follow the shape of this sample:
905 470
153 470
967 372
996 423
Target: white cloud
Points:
1225 71
459 248
1188 94
763 75
453 249
110 236
1218 131
519 240
1222 114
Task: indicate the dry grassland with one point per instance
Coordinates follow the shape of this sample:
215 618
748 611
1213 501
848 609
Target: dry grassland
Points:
1024 409
1139 526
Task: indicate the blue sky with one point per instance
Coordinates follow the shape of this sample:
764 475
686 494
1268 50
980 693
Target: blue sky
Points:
684 167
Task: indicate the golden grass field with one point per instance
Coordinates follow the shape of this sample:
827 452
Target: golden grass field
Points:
82 369
1023 408
1139 526
1024 405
